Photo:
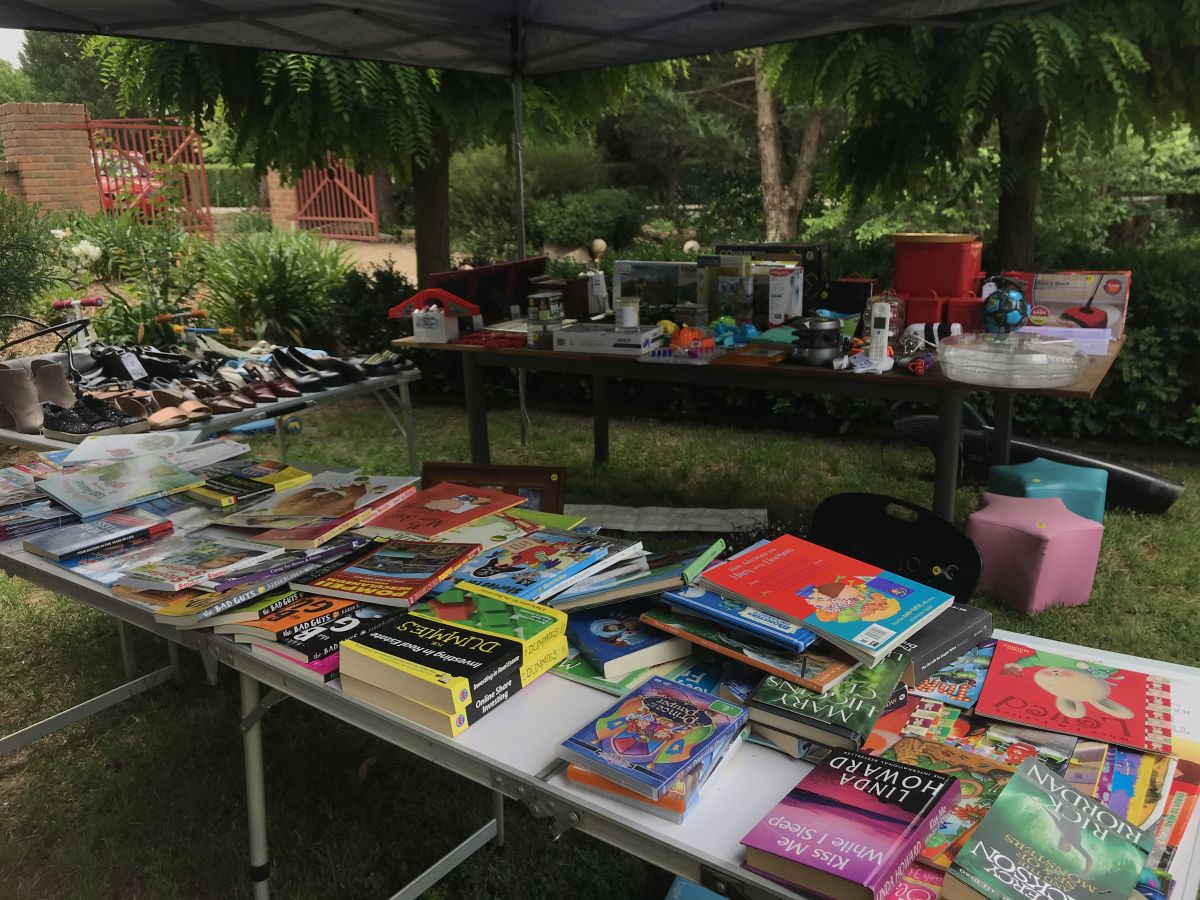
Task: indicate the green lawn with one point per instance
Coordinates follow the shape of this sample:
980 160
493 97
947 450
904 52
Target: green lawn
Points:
146 800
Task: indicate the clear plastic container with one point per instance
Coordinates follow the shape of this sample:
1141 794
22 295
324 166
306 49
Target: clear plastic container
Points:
1011 360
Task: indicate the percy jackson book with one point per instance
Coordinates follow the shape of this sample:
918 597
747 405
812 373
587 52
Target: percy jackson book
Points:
851 827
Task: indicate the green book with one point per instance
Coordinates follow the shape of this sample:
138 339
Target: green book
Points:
842 717
1042 838
576 668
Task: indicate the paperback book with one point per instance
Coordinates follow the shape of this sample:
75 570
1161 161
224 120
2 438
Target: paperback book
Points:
859 607
293 563
662 572
321 531
196 560
960 682
195 608
617 641
842 717
696 601
321 671
1080 697
34 518
243 482
576 668
102 489
118 529
494 614
18 488
391 572
111 448
955 631
1061 843
444 506
317 642
301 613
851 827
490 531
816 669
329 495
657 734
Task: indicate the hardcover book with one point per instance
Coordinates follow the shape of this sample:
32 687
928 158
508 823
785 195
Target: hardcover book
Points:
662 572
842 717
960 682
102 489
959 628
392 572
1087 699
118 529
654 736
616 641
1042 838
696 601
243 482
851 827
492 613
859 607
446 505
817 670
198 559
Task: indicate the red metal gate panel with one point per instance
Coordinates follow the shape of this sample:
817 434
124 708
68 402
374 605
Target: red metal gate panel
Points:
155 168
338 202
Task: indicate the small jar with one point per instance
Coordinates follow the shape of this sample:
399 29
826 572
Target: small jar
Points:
628 313
693 315
545 305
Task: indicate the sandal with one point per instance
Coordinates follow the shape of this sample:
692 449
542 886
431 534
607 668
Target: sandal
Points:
190 407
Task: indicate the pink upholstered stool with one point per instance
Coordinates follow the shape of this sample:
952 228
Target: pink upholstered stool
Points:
1036 552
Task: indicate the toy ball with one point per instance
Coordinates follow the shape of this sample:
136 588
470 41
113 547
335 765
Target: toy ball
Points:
1005 310
599 245
691 247
667 326
685 337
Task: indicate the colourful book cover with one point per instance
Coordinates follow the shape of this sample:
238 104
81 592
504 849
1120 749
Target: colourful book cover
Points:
303 534
1017 742
492 613
489 532
616 639
302 613
428 513
242 482
662 572
769 629
714 675
392 572
316 642
194 562
654 736
1043 839
18 488
888 727
1087 699
102 489
841 717
918 882
851 826
117 529
959 683
321 671
979 778
1087 762
817 670
867 611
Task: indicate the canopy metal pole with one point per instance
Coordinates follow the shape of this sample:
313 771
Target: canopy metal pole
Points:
518 92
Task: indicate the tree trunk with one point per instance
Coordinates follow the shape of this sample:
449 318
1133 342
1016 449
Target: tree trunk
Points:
782 202
431 209
386 204
1022 137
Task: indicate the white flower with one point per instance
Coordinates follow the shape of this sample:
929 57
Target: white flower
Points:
59 233
86 252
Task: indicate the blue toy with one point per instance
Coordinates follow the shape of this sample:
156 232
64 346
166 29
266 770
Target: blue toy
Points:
1005 309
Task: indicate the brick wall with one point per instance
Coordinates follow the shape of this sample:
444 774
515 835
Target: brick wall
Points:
53 164
282 200
10 180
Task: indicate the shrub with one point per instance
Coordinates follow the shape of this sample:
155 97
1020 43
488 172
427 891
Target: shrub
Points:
360 305
251 221
274 285
574 220
27 254
231 185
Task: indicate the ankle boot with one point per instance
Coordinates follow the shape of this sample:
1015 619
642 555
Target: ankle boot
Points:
19 406
52 384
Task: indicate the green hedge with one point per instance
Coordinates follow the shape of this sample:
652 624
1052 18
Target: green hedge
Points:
231 185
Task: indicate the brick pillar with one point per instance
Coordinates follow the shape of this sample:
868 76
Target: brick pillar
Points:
282 201
10 180
54 165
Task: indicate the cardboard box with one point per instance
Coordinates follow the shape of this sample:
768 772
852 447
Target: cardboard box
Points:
1058 297
785 291
655 283
594 338
434 327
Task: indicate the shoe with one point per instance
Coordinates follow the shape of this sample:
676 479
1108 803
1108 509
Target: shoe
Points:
280 386
20 409
301 376
68 425
348 371
50 379
303 364
124 412
180 401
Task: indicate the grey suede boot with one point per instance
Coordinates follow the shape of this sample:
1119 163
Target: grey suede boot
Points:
19 406
51 381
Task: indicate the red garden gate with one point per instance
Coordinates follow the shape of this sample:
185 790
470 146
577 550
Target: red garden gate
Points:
337 202
154 168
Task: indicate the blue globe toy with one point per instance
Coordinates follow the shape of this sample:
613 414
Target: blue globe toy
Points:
1005 309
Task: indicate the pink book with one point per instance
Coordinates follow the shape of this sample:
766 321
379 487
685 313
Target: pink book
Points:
320 670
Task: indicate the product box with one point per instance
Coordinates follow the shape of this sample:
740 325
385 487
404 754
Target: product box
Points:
709 268
783 288
655 283
593 338
1062 299
434 327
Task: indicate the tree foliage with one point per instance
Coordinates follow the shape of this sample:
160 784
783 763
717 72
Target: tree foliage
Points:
59 71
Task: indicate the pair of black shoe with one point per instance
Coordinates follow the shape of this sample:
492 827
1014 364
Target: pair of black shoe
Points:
89 416
315 373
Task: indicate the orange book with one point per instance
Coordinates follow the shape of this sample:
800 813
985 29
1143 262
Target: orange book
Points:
301 614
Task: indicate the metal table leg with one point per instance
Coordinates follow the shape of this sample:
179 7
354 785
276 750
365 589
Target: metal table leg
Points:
281 438
498 816
176 663
1002 425
127 655
600 418
410 427
949 440
476 409
256 798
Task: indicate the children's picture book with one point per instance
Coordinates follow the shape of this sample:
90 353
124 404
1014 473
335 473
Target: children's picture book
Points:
980 779
956 630
851 827
1062 843
110 448
576 668
117 529
102 489
960 682
444 506
329 495
391 572
243 482
534 566
654 736
321 531
1087 762
817 669
193 561
1015 743
488 532
1080 697
888 727
842 717
296 563
859 607
696 601
661 572
616 641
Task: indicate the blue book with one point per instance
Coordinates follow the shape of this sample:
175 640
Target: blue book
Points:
616 641
682 889
778 632
657 734
663 571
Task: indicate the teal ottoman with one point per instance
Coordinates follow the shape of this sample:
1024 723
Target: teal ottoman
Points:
1080 488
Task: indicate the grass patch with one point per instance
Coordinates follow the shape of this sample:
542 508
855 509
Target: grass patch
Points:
147 799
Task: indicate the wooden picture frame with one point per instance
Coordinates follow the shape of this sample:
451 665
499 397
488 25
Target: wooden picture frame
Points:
543 487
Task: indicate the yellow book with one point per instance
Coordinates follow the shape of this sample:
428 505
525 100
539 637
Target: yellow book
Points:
248 482
487 611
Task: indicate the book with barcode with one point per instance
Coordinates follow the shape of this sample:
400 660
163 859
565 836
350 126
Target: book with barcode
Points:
243 482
